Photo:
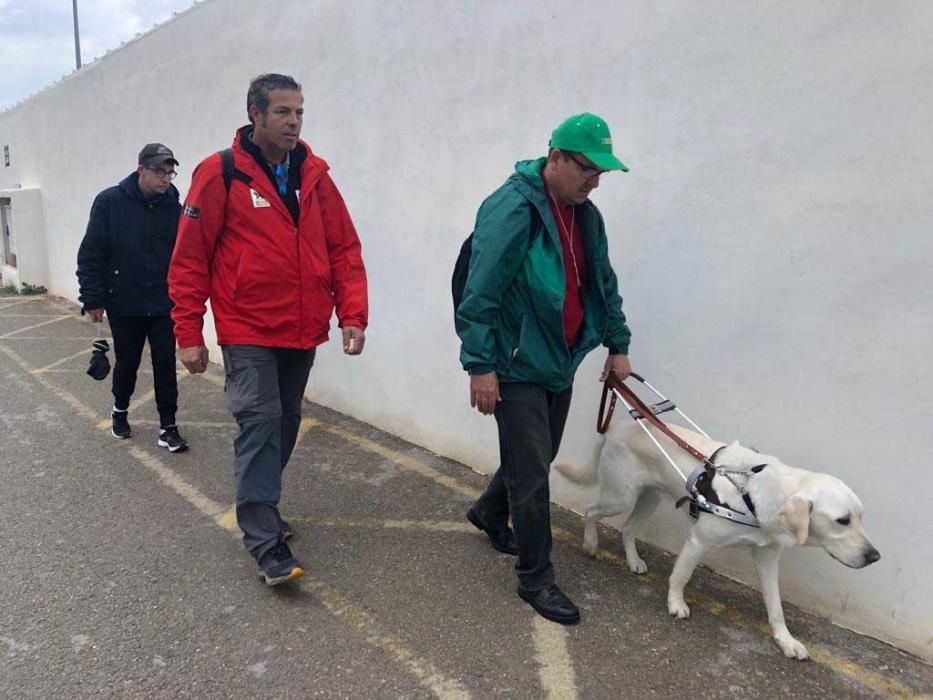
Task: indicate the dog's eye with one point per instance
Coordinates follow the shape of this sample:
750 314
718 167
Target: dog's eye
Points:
843 521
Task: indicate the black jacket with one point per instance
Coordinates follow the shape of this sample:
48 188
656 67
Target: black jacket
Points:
123 259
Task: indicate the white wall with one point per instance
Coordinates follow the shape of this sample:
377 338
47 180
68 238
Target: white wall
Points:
28 239
772 239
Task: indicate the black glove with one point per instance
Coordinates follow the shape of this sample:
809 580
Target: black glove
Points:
99 367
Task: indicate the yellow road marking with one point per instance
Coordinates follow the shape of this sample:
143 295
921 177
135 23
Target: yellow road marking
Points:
203 425
395 647
19 302
379 523
554 665
78 370
83 353
150 395
556 671
819 654
56 339
404 461
306 424
342 608
227 520
54 319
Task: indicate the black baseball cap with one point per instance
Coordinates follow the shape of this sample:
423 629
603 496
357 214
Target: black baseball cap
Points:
156 154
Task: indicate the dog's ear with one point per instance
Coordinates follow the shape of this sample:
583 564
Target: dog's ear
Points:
795 516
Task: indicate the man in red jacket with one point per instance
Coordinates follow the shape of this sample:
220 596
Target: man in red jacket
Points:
273 247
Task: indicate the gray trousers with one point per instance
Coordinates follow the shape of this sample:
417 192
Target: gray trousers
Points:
265 387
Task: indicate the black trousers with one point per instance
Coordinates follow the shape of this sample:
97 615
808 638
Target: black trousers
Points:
531 423
129 336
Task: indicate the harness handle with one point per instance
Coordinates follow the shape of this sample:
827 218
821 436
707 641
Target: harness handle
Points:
602 424
618 387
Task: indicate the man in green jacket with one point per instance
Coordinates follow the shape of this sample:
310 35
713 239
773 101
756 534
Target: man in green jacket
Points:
539 295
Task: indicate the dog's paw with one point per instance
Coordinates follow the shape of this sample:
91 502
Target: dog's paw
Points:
792 648
678 609
638 566
590 548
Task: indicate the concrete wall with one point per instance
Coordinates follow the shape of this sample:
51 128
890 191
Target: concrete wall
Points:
772 239
29 239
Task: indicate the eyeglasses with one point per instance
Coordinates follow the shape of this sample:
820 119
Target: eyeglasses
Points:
586 170
163 174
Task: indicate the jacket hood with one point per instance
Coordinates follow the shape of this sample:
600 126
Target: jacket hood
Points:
130 186
527 179
530 170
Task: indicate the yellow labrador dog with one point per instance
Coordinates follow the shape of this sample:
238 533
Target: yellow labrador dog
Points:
793 506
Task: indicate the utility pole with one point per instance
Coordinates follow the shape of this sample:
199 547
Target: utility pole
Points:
74 8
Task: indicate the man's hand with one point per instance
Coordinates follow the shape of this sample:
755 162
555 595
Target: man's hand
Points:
353 340
194 358
618 364
484 392
97 315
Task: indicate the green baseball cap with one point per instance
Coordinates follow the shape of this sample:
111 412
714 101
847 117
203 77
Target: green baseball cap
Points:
587 134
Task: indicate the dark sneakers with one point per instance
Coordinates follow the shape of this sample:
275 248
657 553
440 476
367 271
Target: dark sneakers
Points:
170 437
551 604
279 566
502 539
120 427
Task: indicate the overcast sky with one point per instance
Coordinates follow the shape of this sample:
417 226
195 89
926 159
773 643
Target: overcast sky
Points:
37 37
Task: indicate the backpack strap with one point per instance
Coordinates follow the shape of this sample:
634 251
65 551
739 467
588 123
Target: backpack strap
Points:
226 167
229 172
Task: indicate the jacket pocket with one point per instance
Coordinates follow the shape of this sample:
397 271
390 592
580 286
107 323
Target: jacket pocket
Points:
237 274
517 345
251 382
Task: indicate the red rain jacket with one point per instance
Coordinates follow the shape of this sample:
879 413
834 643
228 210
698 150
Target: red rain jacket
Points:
270 283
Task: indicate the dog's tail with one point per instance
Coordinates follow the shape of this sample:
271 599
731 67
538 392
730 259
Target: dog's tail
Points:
585 474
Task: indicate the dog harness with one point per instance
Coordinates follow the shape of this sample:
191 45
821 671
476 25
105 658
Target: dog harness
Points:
701 494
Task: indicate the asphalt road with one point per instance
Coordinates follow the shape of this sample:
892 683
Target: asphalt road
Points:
123 576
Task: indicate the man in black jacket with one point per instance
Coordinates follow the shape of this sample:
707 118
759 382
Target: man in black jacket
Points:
122 269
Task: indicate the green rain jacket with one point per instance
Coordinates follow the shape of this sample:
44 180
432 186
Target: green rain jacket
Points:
510 319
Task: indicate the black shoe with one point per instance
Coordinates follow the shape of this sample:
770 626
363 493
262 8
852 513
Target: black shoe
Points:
551 604
121 425
502 539
278 566
170 437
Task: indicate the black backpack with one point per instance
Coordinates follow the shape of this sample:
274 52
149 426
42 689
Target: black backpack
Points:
462 267
461 270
